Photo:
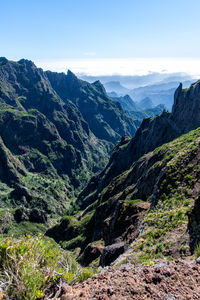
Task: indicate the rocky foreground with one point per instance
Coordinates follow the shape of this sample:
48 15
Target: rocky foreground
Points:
165 280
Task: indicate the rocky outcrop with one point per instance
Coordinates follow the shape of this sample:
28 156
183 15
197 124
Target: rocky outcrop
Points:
34 215
111 252
92 252
186 108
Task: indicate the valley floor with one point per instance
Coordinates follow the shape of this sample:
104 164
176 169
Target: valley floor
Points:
165 281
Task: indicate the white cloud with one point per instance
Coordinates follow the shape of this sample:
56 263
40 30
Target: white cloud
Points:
132 66
90 54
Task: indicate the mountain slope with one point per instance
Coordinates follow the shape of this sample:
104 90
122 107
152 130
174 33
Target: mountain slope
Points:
146 195
36 104
153 204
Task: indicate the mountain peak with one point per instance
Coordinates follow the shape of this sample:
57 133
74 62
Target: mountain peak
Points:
185 110
26 62
97 82
3 60
128 97
99 86
115 86
146 103
71 74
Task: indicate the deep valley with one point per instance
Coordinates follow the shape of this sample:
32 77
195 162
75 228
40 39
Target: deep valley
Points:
98 179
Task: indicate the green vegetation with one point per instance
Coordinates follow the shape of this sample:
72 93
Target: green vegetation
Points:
164 226
48 192
71 232
166 222
197 251
16 113
30 265
49 149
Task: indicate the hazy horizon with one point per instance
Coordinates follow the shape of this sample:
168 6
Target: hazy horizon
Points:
123 67
103 37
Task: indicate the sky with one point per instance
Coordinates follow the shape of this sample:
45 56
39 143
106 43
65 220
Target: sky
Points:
103 36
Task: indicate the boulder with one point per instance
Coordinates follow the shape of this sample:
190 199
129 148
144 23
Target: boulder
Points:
92 252
111 252
38 216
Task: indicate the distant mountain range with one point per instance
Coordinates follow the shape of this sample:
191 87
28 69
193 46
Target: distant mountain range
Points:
162 93
158 87
147 113
135 81
115 86
138 110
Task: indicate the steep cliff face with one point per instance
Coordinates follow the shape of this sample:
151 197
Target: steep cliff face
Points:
186 108
144 196
106 119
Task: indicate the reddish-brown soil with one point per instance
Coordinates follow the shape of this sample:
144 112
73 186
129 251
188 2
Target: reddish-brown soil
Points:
165 280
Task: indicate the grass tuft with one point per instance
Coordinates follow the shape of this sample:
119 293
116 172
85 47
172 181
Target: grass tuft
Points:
29 265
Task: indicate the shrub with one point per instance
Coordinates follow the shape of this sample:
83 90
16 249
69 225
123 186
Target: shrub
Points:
159 248
197 251
180 214
31 264
186 202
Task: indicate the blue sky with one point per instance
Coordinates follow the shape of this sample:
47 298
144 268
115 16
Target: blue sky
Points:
55 32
